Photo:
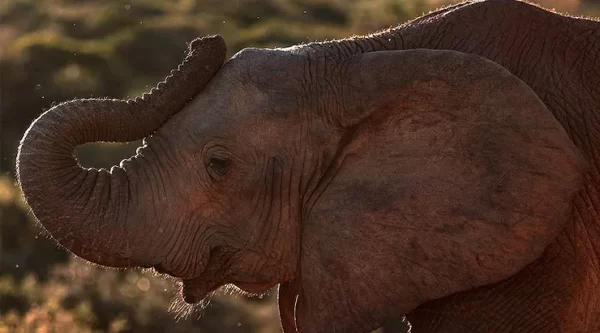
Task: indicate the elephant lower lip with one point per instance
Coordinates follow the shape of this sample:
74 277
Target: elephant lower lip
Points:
194 291
190 299
159 269
192 296
255 288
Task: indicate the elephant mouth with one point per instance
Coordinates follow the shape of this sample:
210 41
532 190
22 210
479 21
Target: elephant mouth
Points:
194 292
160 269
255 288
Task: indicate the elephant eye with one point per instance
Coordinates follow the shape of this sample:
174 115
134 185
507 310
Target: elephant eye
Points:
218 166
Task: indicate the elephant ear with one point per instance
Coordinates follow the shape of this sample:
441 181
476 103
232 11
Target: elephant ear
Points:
452 175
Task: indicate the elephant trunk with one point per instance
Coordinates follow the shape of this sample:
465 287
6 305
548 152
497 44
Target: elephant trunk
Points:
93 212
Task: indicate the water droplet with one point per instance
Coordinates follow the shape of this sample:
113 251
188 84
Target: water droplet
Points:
17 265
224 21
389 39
127 7
304 12
258 17
141 22
43 97
74 24
38 86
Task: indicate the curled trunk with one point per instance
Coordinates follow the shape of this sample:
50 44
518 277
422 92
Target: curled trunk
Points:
92 212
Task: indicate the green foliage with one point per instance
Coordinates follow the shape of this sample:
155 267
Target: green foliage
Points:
56 50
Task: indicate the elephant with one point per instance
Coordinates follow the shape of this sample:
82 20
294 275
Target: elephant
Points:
445 170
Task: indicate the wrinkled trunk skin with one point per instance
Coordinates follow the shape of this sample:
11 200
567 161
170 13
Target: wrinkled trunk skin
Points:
99 214
556 57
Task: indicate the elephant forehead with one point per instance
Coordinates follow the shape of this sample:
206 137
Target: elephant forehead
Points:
252 97
252 81
246 112
267 69
226 101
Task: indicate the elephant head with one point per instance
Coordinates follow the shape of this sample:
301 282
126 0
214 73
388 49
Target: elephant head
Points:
365 181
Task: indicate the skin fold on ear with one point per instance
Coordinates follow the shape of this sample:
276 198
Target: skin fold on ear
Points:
456 175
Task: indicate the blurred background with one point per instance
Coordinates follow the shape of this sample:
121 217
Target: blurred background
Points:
56 50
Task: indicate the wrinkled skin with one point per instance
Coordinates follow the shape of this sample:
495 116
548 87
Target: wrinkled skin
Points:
557 57
456 187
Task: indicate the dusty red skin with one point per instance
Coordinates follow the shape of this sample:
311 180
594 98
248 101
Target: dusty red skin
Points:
366 182
556 56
